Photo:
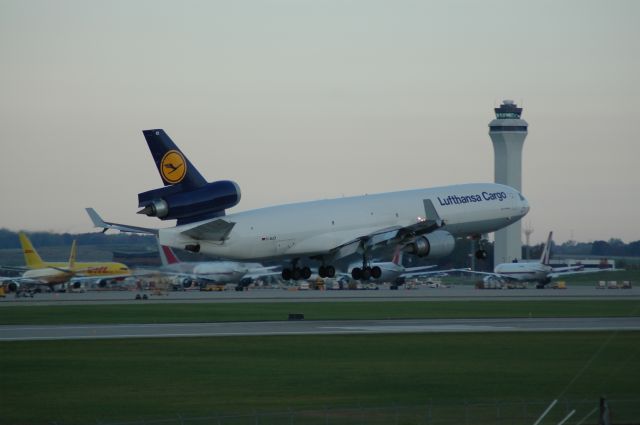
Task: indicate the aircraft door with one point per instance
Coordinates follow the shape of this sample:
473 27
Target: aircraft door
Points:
282 246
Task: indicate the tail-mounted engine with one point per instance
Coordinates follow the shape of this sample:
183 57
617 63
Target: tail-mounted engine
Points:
177 202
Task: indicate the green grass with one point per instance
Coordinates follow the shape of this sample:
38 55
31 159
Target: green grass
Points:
73 382
593 278
218 312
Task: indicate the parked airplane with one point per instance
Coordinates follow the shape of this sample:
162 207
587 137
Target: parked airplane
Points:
424 222
539 271
393 271
52 273
212 271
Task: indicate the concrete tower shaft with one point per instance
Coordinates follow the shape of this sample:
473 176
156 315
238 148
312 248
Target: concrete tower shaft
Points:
507 133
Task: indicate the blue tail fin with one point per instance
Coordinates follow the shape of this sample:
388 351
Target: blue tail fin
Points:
172 164
186 195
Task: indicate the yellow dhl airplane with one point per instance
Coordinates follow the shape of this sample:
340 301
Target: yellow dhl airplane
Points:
52 273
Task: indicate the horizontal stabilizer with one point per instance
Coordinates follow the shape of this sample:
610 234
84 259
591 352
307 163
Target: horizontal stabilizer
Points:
216 230
105 225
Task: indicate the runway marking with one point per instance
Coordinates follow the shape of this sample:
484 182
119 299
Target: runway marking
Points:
423 328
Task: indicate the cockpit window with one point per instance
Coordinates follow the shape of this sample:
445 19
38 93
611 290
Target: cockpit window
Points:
521 197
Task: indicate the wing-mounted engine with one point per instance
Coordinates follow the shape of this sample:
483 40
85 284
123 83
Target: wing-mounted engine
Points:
189 205
436 244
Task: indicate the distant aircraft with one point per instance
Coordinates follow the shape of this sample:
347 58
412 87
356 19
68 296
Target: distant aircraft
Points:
393 271
48 273
540 271
213 271
424 222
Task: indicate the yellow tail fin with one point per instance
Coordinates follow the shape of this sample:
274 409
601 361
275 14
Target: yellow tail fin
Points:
72 255
31 257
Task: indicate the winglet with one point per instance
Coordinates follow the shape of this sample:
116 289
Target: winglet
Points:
105 225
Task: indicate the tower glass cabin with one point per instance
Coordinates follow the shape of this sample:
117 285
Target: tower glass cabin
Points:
507 133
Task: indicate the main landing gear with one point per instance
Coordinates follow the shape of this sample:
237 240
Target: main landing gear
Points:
297 273
366 271
481 253
326 271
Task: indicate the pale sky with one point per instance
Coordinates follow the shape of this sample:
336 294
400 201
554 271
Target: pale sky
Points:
299 100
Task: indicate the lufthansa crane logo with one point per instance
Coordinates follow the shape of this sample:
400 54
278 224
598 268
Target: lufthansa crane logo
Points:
173 167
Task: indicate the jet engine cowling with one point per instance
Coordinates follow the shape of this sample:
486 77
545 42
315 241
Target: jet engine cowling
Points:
174 202
439 243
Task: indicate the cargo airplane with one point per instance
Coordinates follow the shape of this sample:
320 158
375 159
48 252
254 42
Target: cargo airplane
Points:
39 272
424 222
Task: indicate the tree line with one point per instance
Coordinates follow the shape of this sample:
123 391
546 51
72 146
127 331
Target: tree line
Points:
9 239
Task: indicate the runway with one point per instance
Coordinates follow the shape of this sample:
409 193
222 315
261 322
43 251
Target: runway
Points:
333 327
455 293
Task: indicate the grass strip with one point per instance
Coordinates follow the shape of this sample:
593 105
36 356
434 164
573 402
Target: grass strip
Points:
218 312
98 381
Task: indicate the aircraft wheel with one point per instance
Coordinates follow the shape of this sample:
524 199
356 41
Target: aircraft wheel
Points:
296 274
286 274
322 271
356 273
366 273
481 254
329 271
305 272
376 272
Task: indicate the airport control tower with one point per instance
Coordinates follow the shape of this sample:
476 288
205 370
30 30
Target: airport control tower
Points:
507 133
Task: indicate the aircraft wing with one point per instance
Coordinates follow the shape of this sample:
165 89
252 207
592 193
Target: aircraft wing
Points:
420 271
14 268
567 269
85 278
556 274
393 235
23 282
18 279
258 272
105 225
496 275
434 273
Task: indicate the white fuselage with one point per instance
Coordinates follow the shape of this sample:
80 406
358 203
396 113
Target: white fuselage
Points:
315 228
214 271
526 272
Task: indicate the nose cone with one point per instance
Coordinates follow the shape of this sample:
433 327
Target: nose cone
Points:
524 205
